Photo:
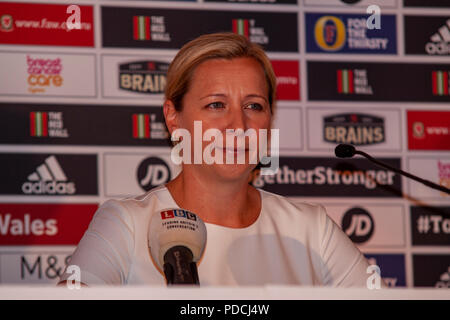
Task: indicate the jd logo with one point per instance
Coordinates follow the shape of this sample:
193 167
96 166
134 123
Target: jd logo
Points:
152 172
358 225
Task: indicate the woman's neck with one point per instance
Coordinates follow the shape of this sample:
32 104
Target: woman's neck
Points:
230 204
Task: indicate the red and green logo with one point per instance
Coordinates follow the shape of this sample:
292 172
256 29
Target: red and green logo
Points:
141 28
38 124
345 82
141 126
440 83
240 26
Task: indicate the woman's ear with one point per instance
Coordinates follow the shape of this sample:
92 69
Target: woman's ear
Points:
171 116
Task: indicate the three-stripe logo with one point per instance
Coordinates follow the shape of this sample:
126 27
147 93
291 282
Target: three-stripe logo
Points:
141 28
141 126
49 178
241 26
440 83
345 81
39 124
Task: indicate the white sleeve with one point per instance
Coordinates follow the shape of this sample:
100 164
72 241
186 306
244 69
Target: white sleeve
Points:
343 264
104 253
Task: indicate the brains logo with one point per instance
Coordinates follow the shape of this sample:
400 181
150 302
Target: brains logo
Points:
6 23
330 33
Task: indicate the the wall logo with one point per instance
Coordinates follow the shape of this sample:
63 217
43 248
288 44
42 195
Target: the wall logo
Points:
146 126
47 124
248 28
440 83
49 178
353 81
143 76
354 128
440 41
43 73
6 23
358 224
152 172
150 28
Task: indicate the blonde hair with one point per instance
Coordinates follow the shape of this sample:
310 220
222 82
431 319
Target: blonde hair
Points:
213 46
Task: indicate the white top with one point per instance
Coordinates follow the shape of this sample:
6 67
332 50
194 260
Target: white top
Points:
289 244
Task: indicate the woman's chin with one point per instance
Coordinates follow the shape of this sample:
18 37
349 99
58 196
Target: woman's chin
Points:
232 172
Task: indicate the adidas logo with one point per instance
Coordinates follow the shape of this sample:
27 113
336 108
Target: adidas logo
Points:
49 178
445 280
440 41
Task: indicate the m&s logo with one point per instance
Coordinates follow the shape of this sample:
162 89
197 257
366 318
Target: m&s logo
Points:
330 33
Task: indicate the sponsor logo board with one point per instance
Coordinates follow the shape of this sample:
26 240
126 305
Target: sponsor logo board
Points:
436 170
44 224
29 267
431 270
48 174
288 79
155 28
138 77
328 177
428 130
82 125
257 1
352 3
289 122
426 3
348 33
47 74
45 24
430 225
138 173
392 267
373 81
371 225
428 35
374 129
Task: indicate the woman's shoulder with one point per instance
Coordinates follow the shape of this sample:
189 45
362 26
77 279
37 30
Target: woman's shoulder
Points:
151 200
291 208
274 199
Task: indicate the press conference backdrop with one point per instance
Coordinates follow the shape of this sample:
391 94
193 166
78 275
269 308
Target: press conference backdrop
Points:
81 119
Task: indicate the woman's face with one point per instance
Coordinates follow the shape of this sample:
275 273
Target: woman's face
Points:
227 94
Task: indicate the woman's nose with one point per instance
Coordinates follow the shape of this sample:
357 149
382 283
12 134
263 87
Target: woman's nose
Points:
237 118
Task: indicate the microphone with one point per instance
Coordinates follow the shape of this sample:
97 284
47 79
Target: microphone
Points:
177 239
348 151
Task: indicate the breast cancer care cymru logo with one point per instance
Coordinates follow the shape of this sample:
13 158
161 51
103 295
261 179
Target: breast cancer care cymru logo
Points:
253 142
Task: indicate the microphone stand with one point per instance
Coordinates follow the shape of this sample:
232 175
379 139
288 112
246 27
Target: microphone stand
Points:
428 183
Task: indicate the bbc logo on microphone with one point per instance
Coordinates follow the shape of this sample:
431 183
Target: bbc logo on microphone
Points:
178 213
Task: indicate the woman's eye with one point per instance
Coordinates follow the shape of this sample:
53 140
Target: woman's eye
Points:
255 106
215 105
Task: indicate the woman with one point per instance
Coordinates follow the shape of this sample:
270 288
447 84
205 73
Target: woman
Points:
254 237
